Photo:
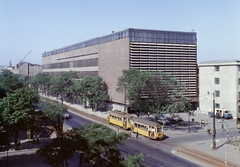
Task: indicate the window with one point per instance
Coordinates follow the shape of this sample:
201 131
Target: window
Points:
217 105
217 80
238 95
217 68
238 81
238 68
217 93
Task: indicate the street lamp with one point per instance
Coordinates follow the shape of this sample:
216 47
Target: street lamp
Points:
214 128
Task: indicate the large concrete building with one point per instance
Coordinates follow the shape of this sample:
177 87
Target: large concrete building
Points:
168 51
223 79
25 68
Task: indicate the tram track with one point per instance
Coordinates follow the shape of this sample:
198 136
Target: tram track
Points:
199 156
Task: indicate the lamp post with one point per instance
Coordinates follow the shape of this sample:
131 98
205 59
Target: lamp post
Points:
214 128
189 121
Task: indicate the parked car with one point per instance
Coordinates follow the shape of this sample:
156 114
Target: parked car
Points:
65 115
163 121
175 117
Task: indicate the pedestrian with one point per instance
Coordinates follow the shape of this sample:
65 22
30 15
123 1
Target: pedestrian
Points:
136 134
208 130
38 135
18 144
222 127
34 138
130 134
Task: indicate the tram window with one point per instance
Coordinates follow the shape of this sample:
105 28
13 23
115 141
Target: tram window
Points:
158 129
135 124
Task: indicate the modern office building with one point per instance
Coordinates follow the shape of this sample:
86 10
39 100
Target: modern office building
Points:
223 79
168 51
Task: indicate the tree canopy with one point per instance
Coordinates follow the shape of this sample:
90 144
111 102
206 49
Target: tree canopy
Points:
61 84
153 91
97 144
42 81
9 82
54 111
93 90
16 109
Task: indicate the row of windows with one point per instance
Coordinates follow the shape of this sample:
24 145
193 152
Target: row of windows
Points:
79 73
72 57
217 81
116 118
176 41
143 127
217 68
217 94
73 64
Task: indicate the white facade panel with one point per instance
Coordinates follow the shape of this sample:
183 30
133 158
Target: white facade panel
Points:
228 87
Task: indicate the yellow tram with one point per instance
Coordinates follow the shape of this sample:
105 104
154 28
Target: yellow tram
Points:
119 118
147 128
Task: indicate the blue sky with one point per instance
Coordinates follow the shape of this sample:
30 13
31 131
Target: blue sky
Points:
43 25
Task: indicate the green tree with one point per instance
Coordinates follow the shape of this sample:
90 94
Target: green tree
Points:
25 79
59 150
97 143
133 161
42 81
16 109
61 84
102 145
54 111
93 90
9 82
153 91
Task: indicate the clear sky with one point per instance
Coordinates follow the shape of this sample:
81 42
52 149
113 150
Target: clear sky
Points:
43 25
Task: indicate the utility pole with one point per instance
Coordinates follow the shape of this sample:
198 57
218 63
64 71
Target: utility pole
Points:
125 97
214 128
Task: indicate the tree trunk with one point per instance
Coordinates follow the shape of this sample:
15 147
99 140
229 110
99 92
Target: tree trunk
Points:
66 162
16 131
85 102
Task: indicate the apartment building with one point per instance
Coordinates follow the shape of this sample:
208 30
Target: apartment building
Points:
172 52
220 80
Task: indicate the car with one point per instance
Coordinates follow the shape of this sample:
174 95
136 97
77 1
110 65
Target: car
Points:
65 115
175 117
162 120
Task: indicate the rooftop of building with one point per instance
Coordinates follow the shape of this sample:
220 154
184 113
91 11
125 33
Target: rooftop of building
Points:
219 63
141 35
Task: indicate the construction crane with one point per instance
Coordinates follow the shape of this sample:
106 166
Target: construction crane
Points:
24 58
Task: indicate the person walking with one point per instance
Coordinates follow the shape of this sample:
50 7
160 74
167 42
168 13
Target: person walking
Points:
38 135
209 130
136 134
130 134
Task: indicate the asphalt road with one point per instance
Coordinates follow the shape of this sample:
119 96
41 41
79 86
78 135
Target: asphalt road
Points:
155 153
